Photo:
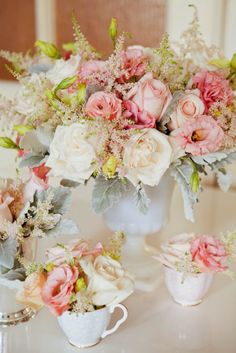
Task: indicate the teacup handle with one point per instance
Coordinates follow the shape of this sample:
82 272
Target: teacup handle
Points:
119 322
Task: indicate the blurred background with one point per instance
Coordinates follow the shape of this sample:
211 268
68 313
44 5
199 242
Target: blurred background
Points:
24 21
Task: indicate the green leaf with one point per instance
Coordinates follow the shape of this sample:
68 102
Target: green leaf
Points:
106 193
220 63
48 49
233 62
6 142
8 250
70 47
22 129
66 83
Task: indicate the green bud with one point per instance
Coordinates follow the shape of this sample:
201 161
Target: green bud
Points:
81 95
48 49
6 142
113 30
233 62
22 129
220 63
52 99
69 47
194 181
66 83
80 285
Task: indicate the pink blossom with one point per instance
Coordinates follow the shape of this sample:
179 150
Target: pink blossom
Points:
134 63
104 105
200 135
209 254
41 172
89 68
75 248
213 87
58 288
151 96
141 119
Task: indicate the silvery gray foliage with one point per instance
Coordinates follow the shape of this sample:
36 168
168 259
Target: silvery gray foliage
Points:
107 192
31 160
8 250
182 172
69 183
14 274
141 199
224 180
61 198
37 142
63 227
166 117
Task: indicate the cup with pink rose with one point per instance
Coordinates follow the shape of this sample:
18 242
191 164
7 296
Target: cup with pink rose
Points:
82 287
191 261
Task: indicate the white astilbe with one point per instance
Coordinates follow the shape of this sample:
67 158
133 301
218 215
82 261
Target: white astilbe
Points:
9 117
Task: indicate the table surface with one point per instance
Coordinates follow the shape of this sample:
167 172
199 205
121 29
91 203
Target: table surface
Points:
155 322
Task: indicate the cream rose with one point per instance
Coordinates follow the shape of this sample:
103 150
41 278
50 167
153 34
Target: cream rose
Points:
30 294
189 106
108 281
5 213
63 69
151 96
147 156
72 153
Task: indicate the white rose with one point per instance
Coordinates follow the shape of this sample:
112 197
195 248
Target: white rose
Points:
107 280
147 156
71 153
189 106
63 69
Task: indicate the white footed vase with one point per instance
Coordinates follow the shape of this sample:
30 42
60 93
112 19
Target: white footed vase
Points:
187 290
87 329
124 216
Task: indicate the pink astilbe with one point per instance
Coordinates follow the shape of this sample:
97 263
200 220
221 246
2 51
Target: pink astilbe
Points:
134 62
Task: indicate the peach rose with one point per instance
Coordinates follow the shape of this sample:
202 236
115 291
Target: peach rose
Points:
189 106
58 288
199 136
30 294
104 105
213 87
150 95
209 254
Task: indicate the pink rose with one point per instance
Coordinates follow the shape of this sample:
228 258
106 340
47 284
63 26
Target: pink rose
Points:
134 63
213 87
209 254
141 119
151 96
104 105
189 106
200 135
58 288
90 68
33 184
75 248
5 213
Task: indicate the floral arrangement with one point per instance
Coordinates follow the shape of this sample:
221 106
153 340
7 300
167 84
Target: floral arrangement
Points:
29 210
194 254
77 279
127 120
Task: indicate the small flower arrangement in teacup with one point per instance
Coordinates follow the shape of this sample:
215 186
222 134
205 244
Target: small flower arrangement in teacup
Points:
82 287
191 261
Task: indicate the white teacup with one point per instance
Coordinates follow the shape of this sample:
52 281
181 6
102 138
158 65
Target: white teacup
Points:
86 330
189 290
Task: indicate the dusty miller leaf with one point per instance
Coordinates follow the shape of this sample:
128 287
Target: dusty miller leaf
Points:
69 183
106 193
224 180
37 141
141 200
31 160
167 115
15 274
61 200
64 227
182 174
8 250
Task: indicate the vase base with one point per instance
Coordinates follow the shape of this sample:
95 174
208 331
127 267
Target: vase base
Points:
88 345
12 319
188 304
